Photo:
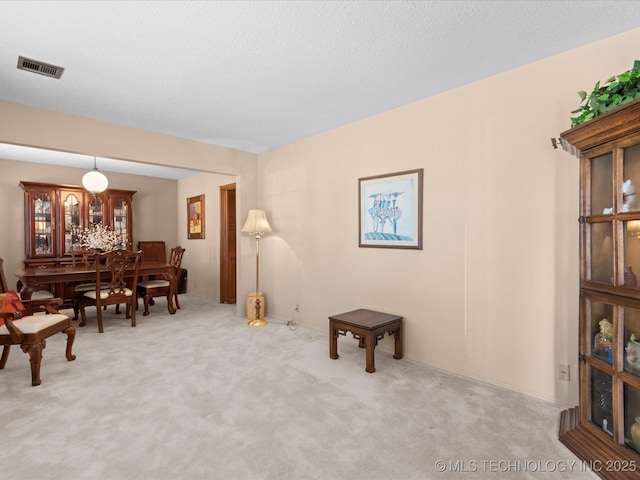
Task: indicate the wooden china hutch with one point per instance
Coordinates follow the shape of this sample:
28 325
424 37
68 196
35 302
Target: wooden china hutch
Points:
54 213
604 430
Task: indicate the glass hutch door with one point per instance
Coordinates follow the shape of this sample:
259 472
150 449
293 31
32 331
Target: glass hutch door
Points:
72 219
96 211
610 314
43 239
121 211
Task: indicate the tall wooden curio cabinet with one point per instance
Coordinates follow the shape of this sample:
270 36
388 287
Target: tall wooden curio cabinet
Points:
54 213
605 428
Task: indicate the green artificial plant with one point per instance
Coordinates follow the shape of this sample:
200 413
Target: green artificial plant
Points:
616 91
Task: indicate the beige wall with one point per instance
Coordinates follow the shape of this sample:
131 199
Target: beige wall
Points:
202 256
493 295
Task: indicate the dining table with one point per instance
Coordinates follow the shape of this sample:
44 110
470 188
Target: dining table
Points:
32 278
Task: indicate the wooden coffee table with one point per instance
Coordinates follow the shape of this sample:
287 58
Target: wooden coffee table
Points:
368 326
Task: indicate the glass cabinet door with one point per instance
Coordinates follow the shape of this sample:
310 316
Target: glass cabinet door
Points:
72 219
631 255
612 362
631 341
601 201
600 256
602 399
43 224
599 210
599 319
632 417
630 211
631 179
96 211
121 218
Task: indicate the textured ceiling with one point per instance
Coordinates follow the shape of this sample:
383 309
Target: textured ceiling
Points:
255 75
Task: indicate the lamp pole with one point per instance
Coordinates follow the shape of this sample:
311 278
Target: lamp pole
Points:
257 225
257 319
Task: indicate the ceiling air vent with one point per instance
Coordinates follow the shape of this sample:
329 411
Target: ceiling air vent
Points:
42 68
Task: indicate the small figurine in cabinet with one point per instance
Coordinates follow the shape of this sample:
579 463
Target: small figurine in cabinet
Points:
628 195
632 354
603 340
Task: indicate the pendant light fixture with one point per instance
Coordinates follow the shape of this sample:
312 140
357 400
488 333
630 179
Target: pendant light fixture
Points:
94 181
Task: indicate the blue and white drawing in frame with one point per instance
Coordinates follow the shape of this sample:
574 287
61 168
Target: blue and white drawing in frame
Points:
390 210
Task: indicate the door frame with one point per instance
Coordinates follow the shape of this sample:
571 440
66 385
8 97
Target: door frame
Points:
228 267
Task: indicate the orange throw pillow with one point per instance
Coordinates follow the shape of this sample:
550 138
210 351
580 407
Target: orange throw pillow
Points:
10 302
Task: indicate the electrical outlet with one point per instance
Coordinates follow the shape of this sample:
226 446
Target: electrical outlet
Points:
564 372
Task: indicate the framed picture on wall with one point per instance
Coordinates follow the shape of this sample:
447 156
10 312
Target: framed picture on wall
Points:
390 210
195 217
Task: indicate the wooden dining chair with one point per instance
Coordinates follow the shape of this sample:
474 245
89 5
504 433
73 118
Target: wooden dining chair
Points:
121 274
19 326
37 295
165 287
82 257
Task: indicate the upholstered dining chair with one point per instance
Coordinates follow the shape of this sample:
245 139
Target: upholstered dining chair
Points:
162 287
82 257
121 274
19 326
37 295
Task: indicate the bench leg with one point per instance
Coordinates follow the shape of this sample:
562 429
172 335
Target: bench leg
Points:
370 346
398 343
333 342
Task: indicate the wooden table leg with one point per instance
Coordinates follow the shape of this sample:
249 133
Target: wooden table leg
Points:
370 345
333 341
398 343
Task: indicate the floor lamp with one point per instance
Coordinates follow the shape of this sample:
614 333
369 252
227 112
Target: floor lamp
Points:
257 225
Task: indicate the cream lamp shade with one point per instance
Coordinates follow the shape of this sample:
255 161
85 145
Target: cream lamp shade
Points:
257 223
94 181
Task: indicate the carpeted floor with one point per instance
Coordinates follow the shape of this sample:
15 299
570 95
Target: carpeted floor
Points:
200 395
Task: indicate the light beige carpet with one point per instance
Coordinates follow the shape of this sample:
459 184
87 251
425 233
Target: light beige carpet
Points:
200 395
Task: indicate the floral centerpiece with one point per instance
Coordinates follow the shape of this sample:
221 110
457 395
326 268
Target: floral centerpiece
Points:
101 238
